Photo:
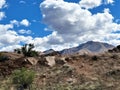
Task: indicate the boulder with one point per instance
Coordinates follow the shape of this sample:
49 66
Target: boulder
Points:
31 60
50 60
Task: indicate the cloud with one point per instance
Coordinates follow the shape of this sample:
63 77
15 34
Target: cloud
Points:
73 25
10 48
89 4
109 1
14 22
22 31
10 38
22 2
25 22
2 3
2 15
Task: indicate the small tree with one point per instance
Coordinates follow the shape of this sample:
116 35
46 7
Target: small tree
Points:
23 78
27 50
17 51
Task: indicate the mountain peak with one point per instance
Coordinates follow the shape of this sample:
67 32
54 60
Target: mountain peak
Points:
90 46
49 51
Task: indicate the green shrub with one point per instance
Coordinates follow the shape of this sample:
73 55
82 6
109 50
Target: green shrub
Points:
3 58
27 50
23 78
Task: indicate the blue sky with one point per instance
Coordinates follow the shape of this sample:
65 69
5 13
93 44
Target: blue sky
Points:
58 24
26 9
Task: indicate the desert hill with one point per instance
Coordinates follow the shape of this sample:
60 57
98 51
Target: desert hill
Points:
66 72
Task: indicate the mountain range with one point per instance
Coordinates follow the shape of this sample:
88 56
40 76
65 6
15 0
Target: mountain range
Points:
88 47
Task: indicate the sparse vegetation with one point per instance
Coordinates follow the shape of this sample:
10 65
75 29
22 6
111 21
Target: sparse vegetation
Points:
79 72
27 50
17 51
3 57
95 58
23 78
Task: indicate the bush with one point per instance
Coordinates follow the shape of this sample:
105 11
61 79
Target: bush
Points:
27 50
33 53
23 78
3 58
95 58
118 47
17 51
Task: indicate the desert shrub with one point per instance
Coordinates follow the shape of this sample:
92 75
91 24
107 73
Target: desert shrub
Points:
33 53
95 58
17 51
3 57
27 50
118 47
23 78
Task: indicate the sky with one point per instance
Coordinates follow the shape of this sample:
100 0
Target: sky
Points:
58 24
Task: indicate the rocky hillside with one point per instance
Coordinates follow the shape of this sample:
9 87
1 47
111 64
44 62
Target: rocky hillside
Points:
65 72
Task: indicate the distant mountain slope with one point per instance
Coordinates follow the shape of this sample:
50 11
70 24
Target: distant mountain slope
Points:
49 51
88 47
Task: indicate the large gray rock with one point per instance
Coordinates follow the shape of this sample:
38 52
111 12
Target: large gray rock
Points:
50 60
31 60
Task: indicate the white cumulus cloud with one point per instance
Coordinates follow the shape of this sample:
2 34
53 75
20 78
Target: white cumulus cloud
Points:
25 22
2 3
22 2
2 15
109 1
10 38
71 25
14 22
89 4
22 31
74 25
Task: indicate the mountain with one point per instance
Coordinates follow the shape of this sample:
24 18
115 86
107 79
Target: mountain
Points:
88 47
49 51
